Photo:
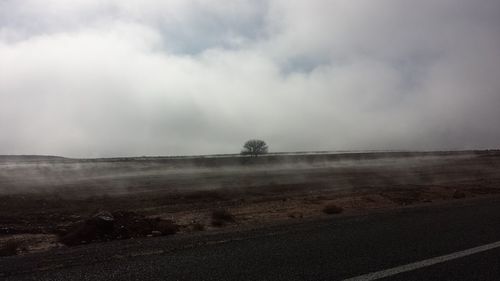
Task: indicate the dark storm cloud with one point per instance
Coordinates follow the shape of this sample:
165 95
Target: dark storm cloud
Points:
105 78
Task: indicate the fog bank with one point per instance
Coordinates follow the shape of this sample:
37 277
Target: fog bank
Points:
117 78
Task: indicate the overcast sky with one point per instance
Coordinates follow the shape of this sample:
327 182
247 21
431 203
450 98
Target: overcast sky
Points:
91 78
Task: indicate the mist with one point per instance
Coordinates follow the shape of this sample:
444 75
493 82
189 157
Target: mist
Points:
132 176
118 78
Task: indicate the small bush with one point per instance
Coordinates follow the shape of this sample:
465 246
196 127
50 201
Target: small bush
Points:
295 215
167 227
197 227
331 209
458 194
218 223
221 216
9 248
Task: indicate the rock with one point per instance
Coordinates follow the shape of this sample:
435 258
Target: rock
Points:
155 233
104 216
104 221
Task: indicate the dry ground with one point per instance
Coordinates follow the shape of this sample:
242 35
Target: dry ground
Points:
32 219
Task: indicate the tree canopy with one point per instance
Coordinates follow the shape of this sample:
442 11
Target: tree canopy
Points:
255 148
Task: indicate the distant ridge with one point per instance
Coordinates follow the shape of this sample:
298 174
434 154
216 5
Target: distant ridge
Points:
29 158
299 155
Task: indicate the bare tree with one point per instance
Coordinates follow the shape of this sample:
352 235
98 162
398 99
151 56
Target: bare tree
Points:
254 148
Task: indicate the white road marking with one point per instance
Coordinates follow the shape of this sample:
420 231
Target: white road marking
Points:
423 263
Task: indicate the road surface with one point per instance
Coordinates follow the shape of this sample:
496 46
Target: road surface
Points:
453 241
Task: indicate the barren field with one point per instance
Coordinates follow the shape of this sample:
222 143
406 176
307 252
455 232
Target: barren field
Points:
48 202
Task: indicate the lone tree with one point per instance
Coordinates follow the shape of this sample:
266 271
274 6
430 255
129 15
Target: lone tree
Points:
254 148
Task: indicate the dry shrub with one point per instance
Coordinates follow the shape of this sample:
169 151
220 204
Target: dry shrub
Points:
331 209
295 215
9 248
458 194
197 227
167 227
221 216
218 223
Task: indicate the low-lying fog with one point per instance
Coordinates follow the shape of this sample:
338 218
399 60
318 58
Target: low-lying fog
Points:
103 176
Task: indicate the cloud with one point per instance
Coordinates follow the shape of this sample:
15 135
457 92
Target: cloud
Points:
110 78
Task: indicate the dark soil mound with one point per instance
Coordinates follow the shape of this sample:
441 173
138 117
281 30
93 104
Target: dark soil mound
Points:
106 226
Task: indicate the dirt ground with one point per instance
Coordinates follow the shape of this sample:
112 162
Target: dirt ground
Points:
190 196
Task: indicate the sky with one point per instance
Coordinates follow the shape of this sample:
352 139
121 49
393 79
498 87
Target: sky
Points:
104 78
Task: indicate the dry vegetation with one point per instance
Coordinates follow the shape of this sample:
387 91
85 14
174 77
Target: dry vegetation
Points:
154 205
9 248
331 209
220 217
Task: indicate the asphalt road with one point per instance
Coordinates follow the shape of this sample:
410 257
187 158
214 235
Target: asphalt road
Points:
335 248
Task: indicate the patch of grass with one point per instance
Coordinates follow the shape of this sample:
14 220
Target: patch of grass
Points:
331 209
